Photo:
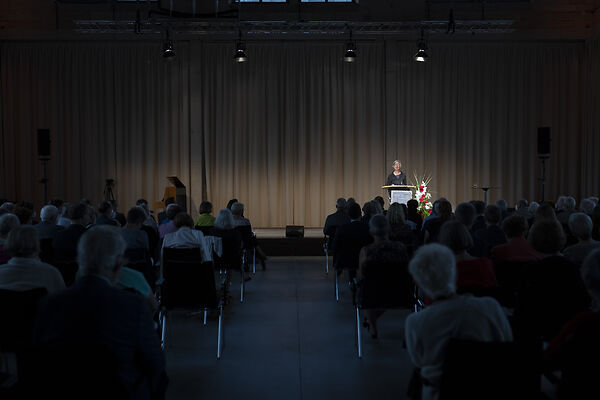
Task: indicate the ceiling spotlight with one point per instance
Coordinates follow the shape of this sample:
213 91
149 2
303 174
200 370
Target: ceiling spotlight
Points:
168 48
421 55
350 54
240 50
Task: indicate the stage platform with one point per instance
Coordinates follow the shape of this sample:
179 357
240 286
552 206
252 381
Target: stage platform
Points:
274 243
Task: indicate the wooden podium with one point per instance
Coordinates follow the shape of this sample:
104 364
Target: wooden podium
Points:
399 193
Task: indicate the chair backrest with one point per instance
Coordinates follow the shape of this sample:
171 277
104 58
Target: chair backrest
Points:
509 274
188 282
18 315
489 370
139 260
46 251
387 285
231 257
246 232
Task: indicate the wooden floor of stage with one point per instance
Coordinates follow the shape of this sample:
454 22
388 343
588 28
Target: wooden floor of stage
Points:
278 233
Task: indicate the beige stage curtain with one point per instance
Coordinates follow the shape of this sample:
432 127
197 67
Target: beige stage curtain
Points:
292 129
114 110
295 127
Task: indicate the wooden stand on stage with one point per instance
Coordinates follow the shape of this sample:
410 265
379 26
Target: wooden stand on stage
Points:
177 191
399 193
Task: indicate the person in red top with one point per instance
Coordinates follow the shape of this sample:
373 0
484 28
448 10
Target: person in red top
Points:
472 272
518 248
575 350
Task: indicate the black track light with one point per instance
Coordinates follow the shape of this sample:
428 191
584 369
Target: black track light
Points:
421 54
240 50
168 48
350 54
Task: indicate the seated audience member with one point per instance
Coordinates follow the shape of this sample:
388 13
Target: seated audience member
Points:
479 222
533 206
337 219
230 203
472 272
431 228
63 211
47 229
587 205
400 231
162 216
581 226
231 257
65 242
492 234
25 215
596 222
8 222
168 225
517 249
7 208
369 209
382 253
410 223
450 316
465 213
186 237
413 214
130 279
434 211
133 234
205 218
94 314
575 350
503 206
149 221
381 203
545 212
348 241
106 214
522 209
119 217
565 209
25 271
551 291
237 210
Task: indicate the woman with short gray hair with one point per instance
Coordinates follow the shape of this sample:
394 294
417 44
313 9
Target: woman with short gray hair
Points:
449 316
581 226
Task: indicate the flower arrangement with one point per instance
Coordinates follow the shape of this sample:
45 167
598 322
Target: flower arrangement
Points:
422 195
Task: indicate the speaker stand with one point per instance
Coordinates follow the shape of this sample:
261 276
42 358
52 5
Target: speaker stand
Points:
543 177
44 180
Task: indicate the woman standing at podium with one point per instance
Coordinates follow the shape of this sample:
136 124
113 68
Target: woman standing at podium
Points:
397 177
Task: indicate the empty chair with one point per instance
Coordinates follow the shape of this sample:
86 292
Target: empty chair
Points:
188 283
140 260
248 245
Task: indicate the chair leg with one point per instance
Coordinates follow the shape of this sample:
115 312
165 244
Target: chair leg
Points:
254 260
220 333
205 314
326 261
358 333
163 330
242 287
337 289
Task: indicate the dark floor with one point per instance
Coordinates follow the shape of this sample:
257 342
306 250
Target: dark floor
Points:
288 340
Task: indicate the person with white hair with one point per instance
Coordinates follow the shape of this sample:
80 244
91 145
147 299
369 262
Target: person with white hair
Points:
566 208
25 271
47 229
522 208
168 225
575 349
8 222
449 316
587 205
237 210
92 314
503 206
581 226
